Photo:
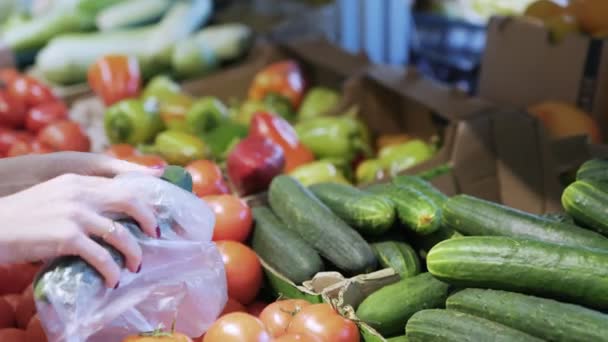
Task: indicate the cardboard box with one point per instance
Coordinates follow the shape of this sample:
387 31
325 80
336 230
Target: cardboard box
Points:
522 66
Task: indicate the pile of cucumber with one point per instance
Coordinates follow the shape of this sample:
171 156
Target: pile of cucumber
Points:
491 273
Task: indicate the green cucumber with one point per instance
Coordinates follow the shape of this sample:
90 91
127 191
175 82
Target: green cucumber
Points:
586 201
131 13
398 339
387 309
305 214
426 242
451 326
399 256
577 275
594 169
544 318
415 210
282 248
559 217
418 183
474 216
71 276
368 213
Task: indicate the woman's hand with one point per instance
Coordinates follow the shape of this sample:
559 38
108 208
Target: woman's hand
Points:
62 215
22 172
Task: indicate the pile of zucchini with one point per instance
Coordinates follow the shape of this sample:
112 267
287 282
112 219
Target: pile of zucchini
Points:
491 273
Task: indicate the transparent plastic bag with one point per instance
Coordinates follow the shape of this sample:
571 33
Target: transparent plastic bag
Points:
182 279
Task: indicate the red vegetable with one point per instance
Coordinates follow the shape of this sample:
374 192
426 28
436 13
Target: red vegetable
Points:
282 78
30 92
115 78
253 163
9 137
65 136
42 115
12 111
21 148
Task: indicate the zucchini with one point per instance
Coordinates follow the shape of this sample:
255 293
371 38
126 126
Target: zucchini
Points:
574 274
586 201
415 210
368 213
544 318
418 183
387 309
474 216
399 256
282 248
305 214
131 13
452 326
74 279
594 169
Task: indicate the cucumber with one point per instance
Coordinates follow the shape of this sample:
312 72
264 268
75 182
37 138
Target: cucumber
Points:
473 216
131 13
452 326
559 217
586 201
402 338
426 242
544 318
387 309
399 256
305 214
282 248
74 279
368 213
594 169
415 210
577 275
418 183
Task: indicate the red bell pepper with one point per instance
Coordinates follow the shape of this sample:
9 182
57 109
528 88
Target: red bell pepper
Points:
115 78
282 133
283 78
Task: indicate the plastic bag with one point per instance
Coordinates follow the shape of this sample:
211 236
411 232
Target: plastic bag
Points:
182 279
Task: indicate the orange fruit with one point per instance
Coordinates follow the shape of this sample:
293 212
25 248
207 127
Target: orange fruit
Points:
592 15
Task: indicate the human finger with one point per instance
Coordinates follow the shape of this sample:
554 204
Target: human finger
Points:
98 257
126 202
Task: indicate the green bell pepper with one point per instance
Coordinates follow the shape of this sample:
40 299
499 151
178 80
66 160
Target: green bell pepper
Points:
205 115
397 158
179 148
332 137
279 105
369 171
129 121
321 171
224 137
317 102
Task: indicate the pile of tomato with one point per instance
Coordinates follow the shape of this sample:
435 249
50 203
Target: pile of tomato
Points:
33 120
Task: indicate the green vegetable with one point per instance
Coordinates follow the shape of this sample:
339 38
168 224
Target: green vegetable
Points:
205 115
544 318
321 171
131 13
398 339
426 242
221 139
473 216
161 87
452 326
435 172
317 225
74 276
397 158
415 210
399 256
204 51
423 186
387 309
280 105
282 248
594 169
503 263
179 147
369 171
331 137
317 102
130 121
368 213
559 217
586 202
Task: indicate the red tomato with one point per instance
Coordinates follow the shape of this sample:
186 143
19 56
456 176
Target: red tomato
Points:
278 315
148 160
30 91
13 299
9 137
40 116
15 278
115 78
7 315
21 148
232 306
8 75
243 271
233 220
256 308
12 112
297 338
207 178
322 321
26 308
35 332
237 327
65 136
121 151
13 335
